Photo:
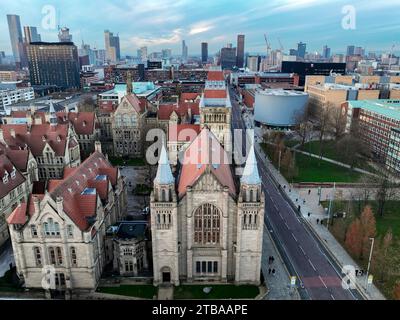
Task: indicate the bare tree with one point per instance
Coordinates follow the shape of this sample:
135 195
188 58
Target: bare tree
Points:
385 192
323 114
87 104
337 122
303 125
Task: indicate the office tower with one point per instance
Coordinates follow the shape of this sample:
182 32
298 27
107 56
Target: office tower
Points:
350 50
293 52
100 56
166 53
326 52
228 58
14 28
253 63
85 50
204 52
301 49
240 51
142 54
184 51
64 35
359 51
54 63
112 47
31 35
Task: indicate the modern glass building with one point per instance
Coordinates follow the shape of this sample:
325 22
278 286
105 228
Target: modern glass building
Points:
204 52
54 63
14 27
240 51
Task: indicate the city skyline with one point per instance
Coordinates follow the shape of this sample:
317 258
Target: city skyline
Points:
164 24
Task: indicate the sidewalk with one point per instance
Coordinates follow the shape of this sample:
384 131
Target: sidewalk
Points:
278 285
326 237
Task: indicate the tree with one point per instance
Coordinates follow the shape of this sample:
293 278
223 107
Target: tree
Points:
364 192
303 125
353 240
382 256
87 104
288 164
396 291
339 229
337 122
368 230
385 192
323 114
350 148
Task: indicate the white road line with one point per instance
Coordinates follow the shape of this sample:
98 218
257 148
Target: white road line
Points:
280 214
309 261
276 208
322 282
333 298
302 250
286 225
294 237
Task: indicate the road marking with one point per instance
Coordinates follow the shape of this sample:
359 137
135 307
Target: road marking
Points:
333 298
309 261
294 237
302 250
286 225
280 214
276 208
322 282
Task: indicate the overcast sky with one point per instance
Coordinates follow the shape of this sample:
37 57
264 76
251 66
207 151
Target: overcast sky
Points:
165 23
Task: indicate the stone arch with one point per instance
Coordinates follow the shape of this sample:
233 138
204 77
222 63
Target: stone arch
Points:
207 224
166 273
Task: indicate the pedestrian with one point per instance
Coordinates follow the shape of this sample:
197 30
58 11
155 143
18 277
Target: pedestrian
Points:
272 258
309 191
284 187
304 201
297 199
317 221
269 271
273 272
309 214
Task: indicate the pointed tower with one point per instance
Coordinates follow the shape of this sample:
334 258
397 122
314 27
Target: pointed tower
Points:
250 222
129 87
164 224
53 116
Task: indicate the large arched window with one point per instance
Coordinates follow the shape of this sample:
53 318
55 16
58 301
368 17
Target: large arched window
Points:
207 224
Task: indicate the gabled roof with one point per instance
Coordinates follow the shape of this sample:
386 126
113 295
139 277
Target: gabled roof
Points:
250 173
182 109
215 94
205 154
134 101
183 132
83 122
215 75
189 96
6 169
18 157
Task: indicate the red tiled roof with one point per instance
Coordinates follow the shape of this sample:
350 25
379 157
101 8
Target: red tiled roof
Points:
83 122
135 103
205 153
214 94
18 114
37 137
18 157
7 166
189 96
79 206
215 76
182 109
183 132
18 216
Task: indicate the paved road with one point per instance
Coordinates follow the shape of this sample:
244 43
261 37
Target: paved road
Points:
305 256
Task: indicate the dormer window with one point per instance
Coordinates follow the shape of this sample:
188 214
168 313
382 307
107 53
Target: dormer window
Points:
58 138
84 123
5 178
51 228
44 138
13 173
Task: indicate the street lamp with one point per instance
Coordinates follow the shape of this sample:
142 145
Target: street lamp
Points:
369 262
279 161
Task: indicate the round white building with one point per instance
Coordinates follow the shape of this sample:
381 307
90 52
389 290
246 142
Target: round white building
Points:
278 107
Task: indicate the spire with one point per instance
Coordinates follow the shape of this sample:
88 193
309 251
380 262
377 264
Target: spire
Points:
164 174
250 172
53 117
128 83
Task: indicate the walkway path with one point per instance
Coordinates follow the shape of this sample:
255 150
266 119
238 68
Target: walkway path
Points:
165 293
320 231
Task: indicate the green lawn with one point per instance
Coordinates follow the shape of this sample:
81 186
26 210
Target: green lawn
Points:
115 161
390 219
329 151
139 291
315 170
218 291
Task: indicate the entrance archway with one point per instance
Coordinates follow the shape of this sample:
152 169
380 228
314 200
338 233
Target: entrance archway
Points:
166 275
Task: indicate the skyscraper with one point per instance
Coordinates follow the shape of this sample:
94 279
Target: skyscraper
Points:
142 54
240 51
204 52
54 63
184 51
350 51
112 47
31 35
301 49
228 58
64 35
253 63
14 28
326 52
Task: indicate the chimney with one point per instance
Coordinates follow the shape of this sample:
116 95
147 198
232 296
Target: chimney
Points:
97 146
12 133
2 136
190 113
33 109
36 204
59 204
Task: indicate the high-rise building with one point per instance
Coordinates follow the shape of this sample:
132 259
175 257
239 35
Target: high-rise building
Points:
54 63
204 52
112 47
64 35
293 52
142 54
184 51
14 28
326 52
350 50
253 63
301 49
359 51
228 58
31 35
240 51
166 53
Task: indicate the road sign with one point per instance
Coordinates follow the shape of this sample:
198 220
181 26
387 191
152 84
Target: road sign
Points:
370 279
293 280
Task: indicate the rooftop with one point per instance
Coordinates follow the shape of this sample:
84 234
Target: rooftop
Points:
385 107
138 88
281 92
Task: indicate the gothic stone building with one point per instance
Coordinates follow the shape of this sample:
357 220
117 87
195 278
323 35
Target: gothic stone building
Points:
206 227
64 228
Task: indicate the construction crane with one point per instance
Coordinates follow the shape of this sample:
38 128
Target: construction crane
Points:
268 45
280 44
